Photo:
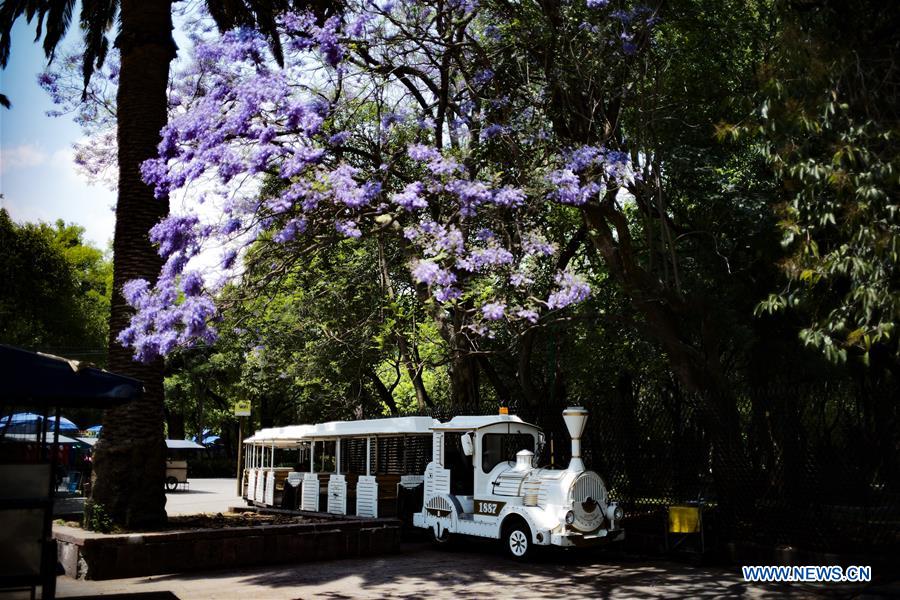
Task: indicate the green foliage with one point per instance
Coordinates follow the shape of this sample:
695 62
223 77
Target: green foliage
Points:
56 290
96 518
828 118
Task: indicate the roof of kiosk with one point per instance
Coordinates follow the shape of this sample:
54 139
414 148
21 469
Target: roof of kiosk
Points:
476 422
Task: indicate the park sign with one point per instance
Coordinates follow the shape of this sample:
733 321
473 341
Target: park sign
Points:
242 408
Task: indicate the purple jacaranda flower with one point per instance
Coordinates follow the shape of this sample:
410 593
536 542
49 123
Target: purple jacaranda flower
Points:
192 283
566 187
520 280
391 119
509 196
447 294
426 272
229 258
348 228
230 226
430 273
482 77
411 197
174 233
348 191
493 311
529 315
534 243
421 152
491 131
571 291
290 230
135 291
493 32
339 139
327 38
484 234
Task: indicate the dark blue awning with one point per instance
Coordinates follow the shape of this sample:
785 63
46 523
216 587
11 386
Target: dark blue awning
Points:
35 379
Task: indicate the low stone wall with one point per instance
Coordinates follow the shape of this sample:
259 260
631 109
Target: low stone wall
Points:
84 554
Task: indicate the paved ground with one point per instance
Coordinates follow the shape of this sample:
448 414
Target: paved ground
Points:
420 571
478 570
203 496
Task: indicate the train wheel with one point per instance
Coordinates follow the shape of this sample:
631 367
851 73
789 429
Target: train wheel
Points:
517 540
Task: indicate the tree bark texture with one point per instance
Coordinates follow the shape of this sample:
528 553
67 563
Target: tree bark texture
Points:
130 455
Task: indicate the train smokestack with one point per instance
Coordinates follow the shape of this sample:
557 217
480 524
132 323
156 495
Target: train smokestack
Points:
576 419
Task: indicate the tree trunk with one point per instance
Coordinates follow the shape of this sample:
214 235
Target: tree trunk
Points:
383 392
130 455
690 340
464 381
175 422
413 368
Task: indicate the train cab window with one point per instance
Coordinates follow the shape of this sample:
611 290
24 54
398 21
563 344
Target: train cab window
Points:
502 447
462 477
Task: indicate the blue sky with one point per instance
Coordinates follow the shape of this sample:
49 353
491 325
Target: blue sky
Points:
38 179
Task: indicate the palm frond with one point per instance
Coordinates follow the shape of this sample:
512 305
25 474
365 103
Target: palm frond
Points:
97 18
57 19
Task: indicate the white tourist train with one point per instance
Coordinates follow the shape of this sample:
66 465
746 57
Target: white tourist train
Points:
469 486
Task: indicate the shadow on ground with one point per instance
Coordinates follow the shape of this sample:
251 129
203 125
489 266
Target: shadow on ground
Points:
480 570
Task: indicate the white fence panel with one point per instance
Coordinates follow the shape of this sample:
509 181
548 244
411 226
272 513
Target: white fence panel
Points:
260 491
337 494
269 495
310 498
367 497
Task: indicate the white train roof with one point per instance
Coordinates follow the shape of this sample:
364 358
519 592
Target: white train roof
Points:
280 436
292 434
392 426
476 422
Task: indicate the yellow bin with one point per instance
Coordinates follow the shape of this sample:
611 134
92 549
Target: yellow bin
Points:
684 519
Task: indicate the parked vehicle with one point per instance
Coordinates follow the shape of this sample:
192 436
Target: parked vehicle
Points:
482 479
472 489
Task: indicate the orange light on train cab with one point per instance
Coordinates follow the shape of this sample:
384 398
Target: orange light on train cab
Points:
504 410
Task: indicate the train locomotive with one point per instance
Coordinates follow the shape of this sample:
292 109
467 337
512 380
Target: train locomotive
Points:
471 488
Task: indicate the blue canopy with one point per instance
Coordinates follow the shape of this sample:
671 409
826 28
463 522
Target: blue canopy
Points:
27 422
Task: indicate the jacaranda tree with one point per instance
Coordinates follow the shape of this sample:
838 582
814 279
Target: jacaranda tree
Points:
130 456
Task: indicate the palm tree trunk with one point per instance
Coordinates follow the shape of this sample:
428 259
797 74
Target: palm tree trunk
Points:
130 455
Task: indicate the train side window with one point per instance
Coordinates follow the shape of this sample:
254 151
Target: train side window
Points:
502 447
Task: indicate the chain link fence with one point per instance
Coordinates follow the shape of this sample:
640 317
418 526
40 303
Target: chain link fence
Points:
809 467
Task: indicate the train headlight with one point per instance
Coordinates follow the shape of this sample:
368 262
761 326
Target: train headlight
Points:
570 517
614 512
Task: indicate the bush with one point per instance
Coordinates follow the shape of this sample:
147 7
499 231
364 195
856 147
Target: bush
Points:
96 518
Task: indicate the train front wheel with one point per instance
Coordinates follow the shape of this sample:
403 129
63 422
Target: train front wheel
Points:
517 540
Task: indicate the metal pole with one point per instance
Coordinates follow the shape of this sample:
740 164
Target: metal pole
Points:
337 456
368 456
240 457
